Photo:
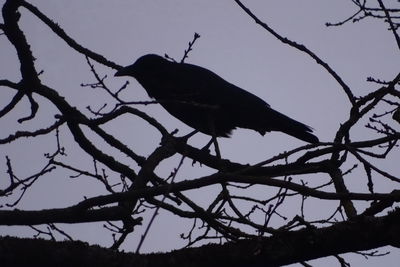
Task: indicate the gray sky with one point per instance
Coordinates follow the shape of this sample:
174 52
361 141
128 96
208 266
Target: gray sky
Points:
231 45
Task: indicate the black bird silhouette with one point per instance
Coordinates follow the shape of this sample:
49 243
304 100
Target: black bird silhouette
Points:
206 102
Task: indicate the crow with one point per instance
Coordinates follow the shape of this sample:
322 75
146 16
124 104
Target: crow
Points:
206 102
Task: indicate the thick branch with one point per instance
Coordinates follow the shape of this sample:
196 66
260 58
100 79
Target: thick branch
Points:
67 215
363 233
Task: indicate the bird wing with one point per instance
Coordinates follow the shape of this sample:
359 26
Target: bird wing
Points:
205 87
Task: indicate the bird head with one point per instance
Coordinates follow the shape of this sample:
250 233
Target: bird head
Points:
143 66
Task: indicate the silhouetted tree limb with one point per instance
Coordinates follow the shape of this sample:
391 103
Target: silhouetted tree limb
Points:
302 48
361 233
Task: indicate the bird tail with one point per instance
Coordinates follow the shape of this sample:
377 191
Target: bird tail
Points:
304 135
292 127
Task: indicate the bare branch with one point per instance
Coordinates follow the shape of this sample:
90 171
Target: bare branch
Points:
304 49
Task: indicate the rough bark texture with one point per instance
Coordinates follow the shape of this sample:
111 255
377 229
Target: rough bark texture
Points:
361 233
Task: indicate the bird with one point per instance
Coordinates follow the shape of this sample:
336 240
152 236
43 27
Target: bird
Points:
206 102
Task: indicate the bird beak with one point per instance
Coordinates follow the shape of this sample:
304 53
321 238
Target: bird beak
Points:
121 72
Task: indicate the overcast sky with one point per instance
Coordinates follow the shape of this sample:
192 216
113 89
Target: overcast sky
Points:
231 45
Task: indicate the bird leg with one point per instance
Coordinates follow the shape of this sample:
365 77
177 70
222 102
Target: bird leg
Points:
214 136
216 146
212 141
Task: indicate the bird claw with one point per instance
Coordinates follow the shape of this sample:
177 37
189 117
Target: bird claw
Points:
205 149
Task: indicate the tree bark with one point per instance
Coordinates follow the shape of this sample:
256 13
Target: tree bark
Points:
357 234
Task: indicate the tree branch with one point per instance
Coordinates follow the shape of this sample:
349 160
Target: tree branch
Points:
304 49
362 233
